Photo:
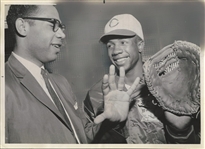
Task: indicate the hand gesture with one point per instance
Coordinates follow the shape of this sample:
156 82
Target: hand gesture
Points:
116 101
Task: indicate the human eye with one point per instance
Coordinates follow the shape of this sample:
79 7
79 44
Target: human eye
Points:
51 25
123 42
109 45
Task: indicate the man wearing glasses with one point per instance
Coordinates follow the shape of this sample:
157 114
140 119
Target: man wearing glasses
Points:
40 107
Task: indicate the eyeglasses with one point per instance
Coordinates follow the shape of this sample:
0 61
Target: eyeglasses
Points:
56 23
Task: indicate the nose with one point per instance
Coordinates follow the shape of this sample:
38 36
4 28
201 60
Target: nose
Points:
117 50
60 33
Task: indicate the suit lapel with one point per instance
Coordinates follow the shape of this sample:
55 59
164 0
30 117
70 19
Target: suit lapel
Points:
69 102
30 83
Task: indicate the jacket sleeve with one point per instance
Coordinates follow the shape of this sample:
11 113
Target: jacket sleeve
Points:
190 136
91 129
92 108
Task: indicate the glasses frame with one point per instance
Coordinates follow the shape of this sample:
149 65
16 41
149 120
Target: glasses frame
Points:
56 23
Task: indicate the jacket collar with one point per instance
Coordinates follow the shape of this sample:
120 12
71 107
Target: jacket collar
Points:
18 69
30 83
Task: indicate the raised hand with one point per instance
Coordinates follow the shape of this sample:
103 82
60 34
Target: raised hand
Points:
116 101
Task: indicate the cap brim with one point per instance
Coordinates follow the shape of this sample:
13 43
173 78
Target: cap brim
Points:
117 32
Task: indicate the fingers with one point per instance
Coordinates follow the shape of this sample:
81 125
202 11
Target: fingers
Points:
134 85
135 95
111 79
121 79
100 118
105 85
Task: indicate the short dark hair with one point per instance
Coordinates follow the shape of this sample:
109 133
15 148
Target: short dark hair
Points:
18 11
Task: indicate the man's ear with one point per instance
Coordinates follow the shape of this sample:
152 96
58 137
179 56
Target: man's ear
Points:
141 45
21 27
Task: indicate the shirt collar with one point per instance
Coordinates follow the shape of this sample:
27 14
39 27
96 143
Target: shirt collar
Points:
32 68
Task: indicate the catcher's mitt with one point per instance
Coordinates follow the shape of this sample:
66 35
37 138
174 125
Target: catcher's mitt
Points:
173 77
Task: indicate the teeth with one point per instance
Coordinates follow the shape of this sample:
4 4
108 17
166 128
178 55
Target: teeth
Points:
56 45
120 60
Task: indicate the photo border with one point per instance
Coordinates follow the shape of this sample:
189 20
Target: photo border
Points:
2 82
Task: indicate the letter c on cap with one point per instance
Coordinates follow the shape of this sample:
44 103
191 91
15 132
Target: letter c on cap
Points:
114 22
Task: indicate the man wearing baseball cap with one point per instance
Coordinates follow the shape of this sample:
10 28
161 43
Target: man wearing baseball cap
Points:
124 39
123 36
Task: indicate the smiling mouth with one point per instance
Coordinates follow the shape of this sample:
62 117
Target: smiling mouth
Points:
57 45
167 64
120 60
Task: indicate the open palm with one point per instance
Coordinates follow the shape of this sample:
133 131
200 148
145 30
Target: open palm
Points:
116 101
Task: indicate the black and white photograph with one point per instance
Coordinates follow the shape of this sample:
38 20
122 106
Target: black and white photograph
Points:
102 74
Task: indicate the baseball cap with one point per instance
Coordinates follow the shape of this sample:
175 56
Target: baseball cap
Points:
122 25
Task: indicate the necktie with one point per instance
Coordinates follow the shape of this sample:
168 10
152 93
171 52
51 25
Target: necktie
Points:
55 97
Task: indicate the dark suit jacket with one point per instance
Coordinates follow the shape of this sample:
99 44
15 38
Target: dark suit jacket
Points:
30 116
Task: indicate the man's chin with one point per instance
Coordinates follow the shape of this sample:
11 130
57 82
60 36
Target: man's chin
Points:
51 59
